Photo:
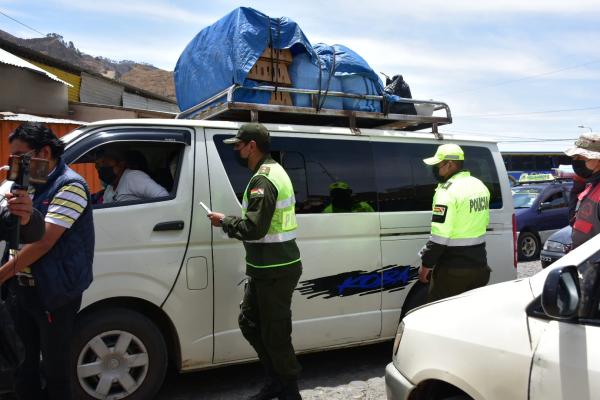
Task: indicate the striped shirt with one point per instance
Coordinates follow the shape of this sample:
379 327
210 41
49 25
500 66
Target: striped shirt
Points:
67 205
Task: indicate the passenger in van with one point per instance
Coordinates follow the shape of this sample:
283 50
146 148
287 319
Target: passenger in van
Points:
268 229
455 254
340 194
586 164
124 177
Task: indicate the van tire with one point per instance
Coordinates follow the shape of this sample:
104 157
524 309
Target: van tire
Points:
528 246
144 347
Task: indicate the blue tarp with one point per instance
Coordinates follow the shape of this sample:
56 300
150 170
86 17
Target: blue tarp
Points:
355 75
223 53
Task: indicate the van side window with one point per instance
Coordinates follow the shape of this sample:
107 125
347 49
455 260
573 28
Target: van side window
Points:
150 172
329 175
405 183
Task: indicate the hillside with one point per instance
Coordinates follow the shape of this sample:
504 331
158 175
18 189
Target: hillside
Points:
144 76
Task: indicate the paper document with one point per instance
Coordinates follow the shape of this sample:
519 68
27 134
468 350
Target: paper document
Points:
205 208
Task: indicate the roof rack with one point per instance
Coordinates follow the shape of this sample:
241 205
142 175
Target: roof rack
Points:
230 110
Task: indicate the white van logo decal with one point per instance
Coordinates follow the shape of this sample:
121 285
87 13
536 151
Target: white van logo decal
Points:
391 278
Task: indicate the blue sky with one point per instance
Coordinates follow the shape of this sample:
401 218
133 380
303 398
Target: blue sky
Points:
500 65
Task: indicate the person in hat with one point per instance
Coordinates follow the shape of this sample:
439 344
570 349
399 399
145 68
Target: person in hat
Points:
340 194
454 259
268 229
586 164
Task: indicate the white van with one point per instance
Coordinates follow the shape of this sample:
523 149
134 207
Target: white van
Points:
529 339
167 286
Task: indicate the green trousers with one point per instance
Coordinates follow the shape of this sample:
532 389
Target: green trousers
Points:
450 281
266 320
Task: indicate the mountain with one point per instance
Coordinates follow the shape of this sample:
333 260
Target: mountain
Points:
142 75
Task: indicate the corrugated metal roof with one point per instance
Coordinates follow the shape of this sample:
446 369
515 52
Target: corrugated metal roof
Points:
131 100
11 59
9 116
158 105
100 91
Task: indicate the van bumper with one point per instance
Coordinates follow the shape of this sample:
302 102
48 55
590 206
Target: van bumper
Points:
397 387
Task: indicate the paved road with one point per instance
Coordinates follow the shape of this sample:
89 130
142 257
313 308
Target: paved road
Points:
355 373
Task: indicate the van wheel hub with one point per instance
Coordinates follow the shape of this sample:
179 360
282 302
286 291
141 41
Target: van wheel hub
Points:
112 365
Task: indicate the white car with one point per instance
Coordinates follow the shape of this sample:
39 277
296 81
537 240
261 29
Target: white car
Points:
530 339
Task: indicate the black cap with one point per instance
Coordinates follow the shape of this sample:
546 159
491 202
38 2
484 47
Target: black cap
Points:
251 131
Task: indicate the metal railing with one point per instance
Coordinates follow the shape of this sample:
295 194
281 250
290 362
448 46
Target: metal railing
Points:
229 93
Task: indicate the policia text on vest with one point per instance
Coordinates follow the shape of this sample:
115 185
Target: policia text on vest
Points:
456 248
268 229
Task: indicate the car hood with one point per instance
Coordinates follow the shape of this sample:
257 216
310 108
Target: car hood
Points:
562 236
456 338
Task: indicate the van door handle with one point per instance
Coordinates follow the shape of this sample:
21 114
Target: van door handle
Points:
169 226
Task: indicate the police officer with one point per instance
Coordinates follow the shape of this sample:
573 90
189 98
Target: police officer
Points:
340 194
586 164
268 229
455 254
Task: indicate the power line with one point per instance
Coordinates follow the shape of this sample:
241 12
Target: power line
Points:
19 22
528 113
535 76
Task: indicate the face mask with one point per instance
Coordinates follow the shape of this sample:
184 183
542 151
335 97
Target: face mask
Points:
341 199
107 175
436 174
240 160
580 168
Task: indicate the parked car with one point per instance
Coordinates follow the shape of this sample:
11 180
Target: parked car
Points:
528 339
557 245
541 208
167 286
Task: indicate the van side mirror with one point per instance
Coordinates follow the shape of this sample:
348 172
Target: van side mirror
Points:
545 206
562 295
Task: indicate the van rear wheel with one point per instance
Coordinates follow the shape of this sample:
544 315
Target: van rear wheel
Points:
118 354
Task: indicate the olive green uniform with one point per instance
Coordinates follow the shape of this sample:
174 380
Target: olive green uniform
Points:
456 248
268 229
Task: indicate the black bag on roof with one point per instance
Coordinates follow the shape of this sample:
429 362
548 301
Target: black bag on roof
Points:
398 86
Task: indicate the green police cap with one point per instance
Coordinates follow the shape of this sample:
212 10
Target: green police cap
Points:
248 132
339 185
446 152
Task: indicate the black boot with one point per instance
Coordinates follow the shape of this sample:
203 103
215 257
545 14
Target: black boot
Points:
290 391
270 390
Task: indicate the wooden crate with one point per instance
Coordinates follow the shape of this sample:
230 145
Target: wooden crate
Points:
281 99
261 71
284 56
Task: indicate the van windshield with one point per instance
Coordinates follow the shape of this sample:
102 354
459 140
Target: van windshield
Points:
524 197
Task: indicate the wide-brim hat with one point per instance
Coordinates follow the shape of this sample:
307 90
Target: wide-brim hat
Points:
588 146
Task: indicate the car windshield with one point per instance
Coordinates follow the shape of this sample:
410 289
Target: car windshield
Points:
524 197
